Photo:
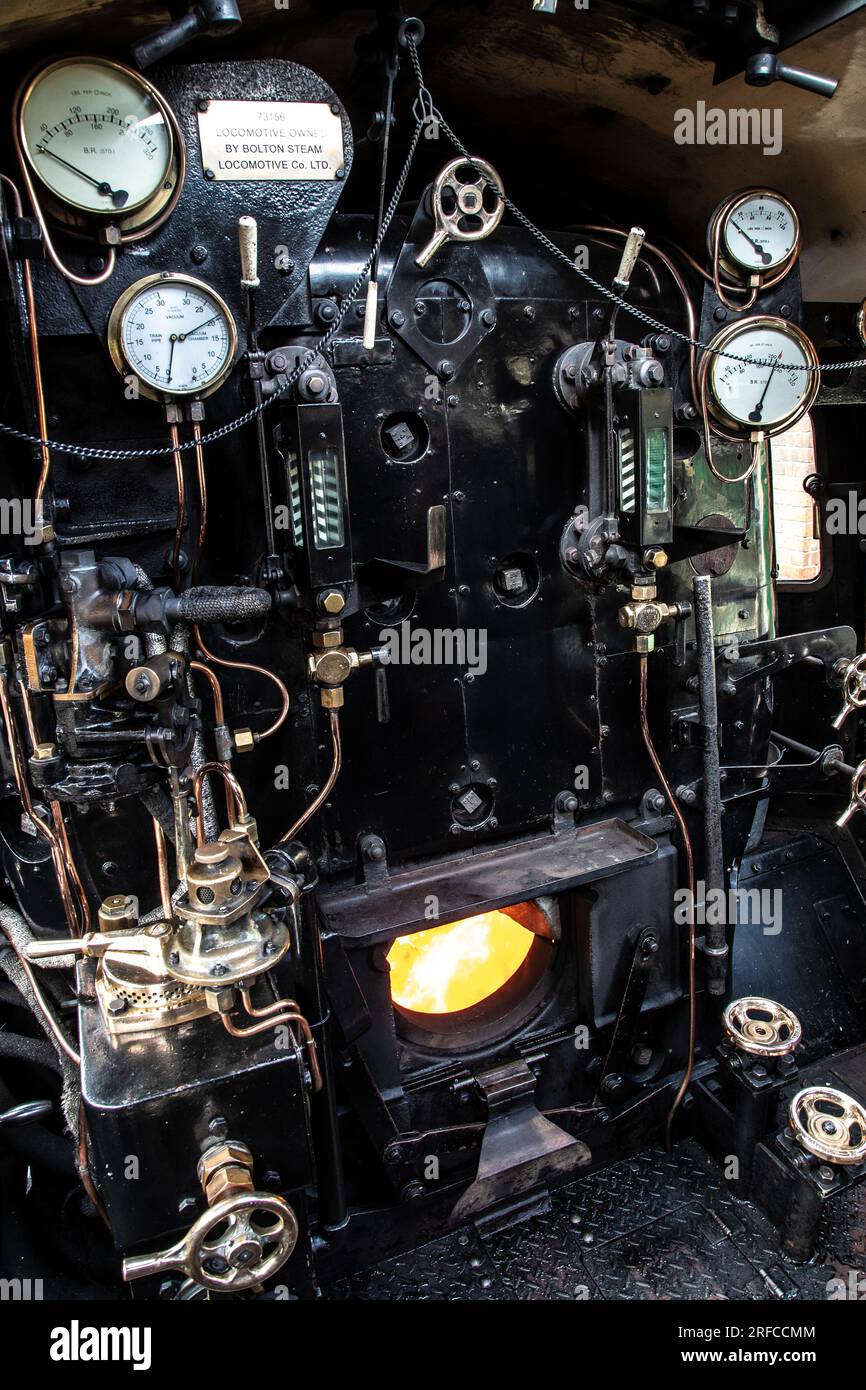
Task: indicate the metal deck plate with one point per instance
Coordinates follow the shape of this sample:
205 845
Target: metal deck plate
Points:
657 1226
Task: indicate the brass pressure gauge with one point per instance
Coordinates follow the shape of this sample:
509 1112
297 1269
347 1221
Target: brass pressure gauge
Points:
100 144
861 322
173 333
755 235
773 389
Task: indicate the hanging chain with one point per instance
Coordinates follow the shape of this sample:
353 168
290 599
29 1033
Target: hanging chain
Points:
424 110
434 114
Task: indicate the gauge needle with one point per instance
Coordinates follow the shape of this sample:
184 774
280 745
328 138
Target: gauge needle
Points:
172 340
764 255
757 414
119 196
183 336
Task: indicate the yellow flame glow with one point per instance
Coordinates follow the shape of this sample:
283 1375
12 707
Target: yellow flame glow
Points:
452 967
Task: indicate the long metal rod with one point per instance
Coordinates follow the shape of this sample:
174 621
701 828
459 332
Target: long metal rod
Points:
690 880
716 942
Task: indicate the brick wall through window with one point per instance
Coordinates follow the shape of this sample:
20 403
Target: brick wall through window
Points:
798 546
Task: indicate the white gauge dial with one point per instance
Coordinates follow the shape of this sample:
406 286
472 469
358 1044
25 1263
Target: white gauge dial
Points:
760 232
175 334
771 390
96 135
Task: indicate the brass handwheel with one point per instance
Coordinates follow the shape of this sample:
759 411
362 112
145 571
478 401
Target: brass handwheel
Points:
761 1027
829 1124
853 689
248 1250
459 208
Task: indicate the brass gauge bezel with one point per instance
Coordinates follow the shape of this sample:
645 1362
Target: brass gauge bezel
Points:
736 270
117 319
724 339
861 323
130 223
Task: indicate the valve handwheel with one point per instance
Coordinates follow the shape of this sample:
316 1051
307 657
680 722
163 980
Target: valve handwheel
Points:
468 204
762 1027
853 689
247 1250
857 796
829 1124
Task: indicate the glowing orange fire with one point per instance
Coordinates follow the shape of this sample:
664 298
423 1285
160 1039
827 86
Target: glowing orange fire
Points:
452 967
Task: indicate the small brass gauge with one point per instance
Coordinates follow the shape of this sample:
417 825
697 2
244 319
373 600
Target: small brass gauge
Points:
755 233
100 144
175 334
771 392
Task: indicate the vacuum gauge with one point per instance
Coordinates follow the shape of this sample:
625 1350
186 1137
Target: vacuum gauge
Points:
175 334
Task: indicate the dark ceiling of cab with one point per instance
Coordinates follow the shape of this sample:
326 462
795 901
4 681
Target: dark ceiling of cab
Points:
577 110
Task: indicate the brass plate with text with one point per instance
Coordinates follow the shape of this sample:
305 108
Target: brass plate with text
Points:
278 140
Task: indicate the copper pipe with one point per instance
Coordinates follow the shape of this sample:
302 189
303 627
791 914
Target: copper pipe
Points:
267 1009
181 503
717 284
322 796
69 861
216 689
275 1022
31 193
162 871
691 321
230 780
29 719
257 671
84 1167
219 718
70 869
690 876
44 828
202 492
703 372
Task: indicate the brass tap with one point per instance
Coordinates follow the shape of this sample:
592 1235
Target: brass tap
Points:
331 663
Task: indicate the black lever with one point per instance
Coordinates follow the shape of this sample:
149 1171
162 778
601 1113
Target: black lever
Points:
212 17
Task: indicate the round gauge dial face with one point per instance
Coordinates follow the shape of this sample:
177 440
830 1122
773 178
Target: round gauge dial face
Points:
177 336
761 397
760 233
96 136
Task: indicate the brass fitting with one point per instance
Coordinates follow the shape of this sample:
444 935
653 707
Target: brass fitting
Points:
44 751
118 911
244 740
331 663
333 602
225 1170
655 558
644 613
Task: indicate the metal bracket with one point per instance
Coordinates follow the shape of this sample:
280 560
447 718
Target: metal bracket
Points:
520 1148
